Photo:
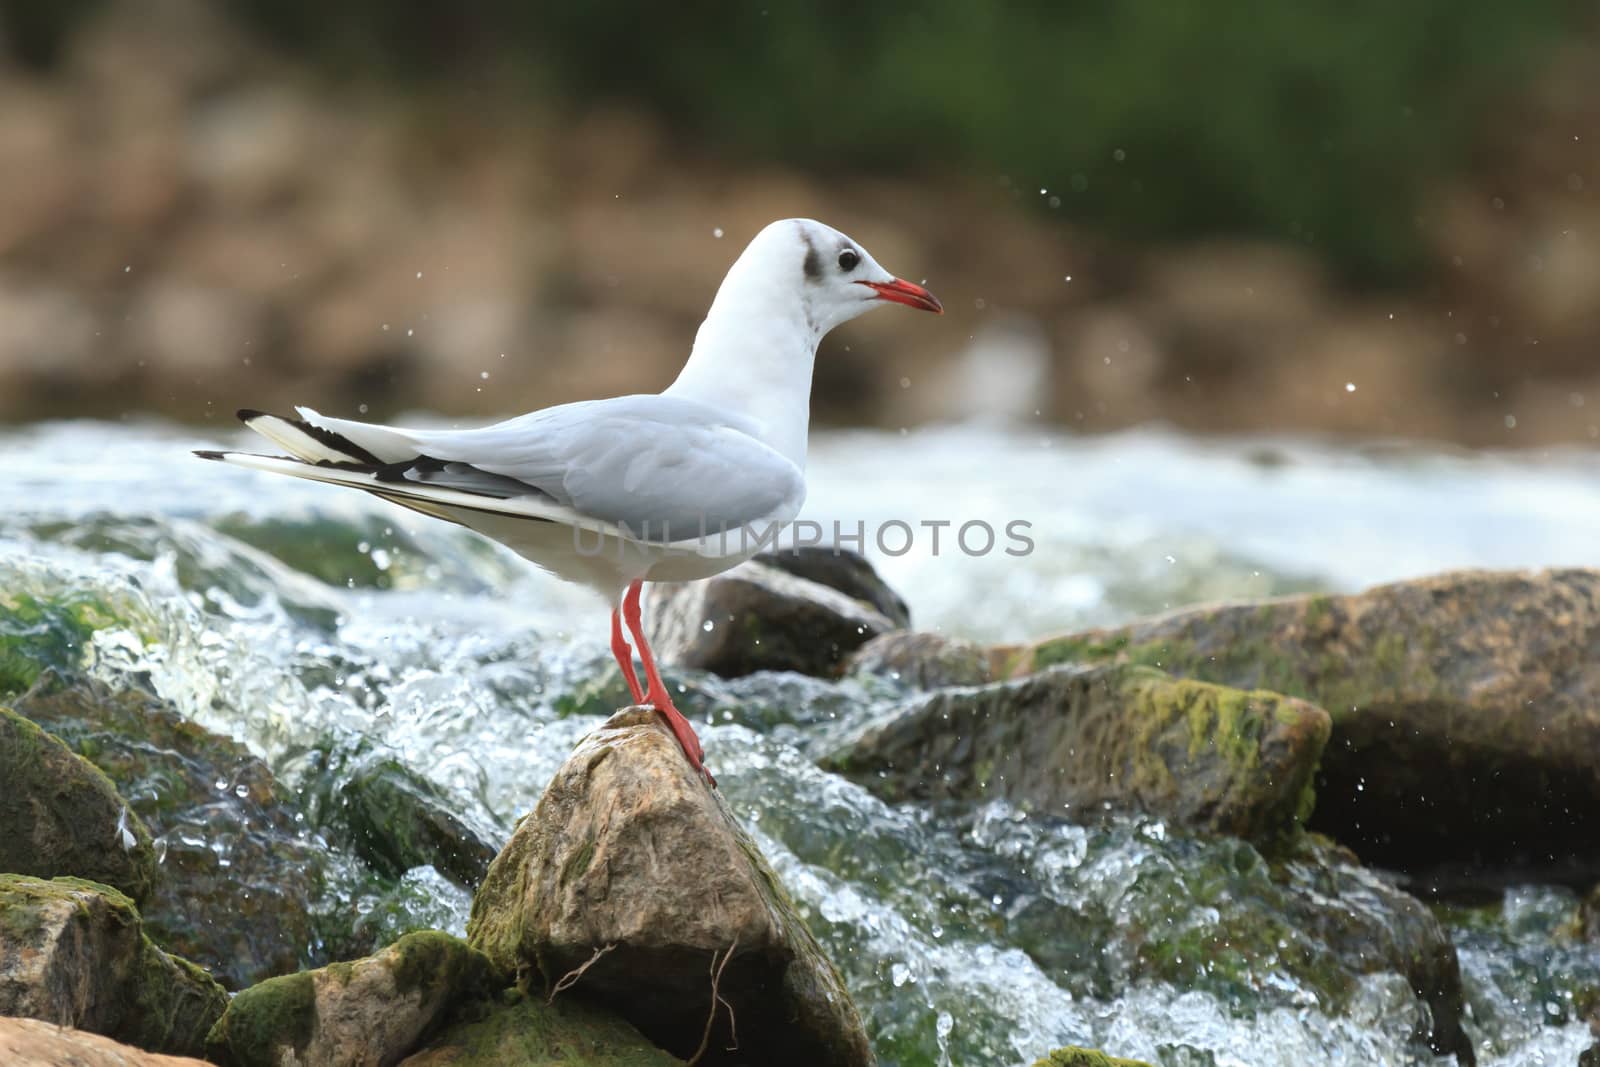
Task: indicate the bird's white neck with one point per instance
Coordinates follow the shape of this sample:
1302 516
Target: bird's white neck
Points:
753 356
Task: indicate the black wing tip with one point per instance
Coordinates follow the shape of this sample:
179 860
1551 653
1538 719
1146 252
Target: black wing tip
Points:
206 453
248 415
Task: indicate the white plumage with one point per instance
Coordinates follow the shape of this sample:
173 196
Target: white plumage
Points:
672 486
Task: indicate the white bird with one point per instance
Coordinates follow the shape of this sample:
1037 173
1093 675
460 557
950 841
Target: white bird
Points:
673 486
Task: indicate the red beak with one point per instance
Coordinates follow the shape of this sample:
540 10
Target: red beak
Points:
908 293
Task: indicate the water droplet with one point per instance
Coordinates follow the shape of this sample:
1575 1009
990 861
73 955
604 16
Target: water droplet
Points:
717 233
220 785
241 790
708 626
1349 387
160 845
899 973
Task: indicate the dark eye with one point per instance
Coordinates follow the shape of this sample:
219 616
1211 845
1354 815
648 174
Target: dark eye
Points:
848 260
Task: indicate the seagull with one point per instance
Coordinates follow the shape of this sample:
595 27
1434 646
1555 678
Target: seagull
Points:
653 487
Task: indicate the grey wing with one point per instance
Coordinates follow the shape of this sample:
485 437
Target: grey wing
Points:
665 468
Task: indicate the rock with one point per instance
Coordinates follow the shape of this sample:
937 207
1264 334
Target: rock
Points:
845 571
370 1012
631 868
1082 1057
1466 707
240 871
1589 916
59 815
73 953
922 660
1206 757
761 619
533 1031
395 819
1370 926
34 1043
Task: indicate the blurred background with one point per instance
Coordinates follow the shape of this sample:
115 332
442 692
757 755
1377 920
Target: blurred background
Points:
1370 218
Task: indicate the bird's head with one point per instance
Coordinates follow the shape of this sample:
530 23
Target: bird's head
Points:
836 279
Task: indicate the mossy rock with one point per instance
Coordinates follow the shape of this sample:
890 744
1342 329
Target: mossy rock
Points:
531 1030
74 952
1465 707
241 871
372 1010
1083 1057
1073 739
60 814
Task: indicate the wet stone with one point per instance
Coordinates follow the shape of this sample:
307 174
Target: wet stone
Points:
72 952
239 874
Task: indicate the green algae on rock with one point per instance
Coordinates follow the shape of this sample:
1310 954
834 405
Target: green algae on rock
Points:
61 815
1073 739
633 869
1083 1057
39 633
1465 706
372 1010
236 888
73 952
531 1030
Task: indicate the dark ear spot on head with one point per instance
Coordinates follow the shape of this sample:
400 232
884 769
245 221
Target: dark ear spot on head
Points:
813 264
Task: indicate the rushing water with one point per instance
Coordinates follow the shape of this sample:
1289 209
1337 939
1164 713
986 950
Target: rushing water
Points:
279 612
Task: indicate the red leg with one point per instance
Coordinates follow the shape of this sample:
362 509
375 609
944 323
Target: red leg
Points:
624 654
656 694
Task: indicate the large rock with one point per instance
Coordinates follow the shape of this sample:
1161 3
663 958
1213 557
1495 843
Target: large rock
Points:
234 889
532 1030
369 1013
73 953
631 867
60 815
34 1043
1466 707
1074 739
758 618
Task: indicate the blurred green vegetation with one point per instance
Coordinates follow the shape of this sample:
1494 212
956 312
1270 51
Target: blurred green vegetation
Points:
1314 121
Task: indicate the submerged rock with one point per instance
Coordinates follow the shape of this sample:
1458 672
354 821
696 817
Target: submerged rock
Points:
631 880
1466 706
73 953
843 570
531 1030
394 818
40 633
60 815
372 1011
239 872
758 618
1073 739
922 660
34 1043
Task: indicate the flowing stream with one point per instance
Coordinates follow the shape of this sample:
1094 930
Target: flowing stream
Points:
279 612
